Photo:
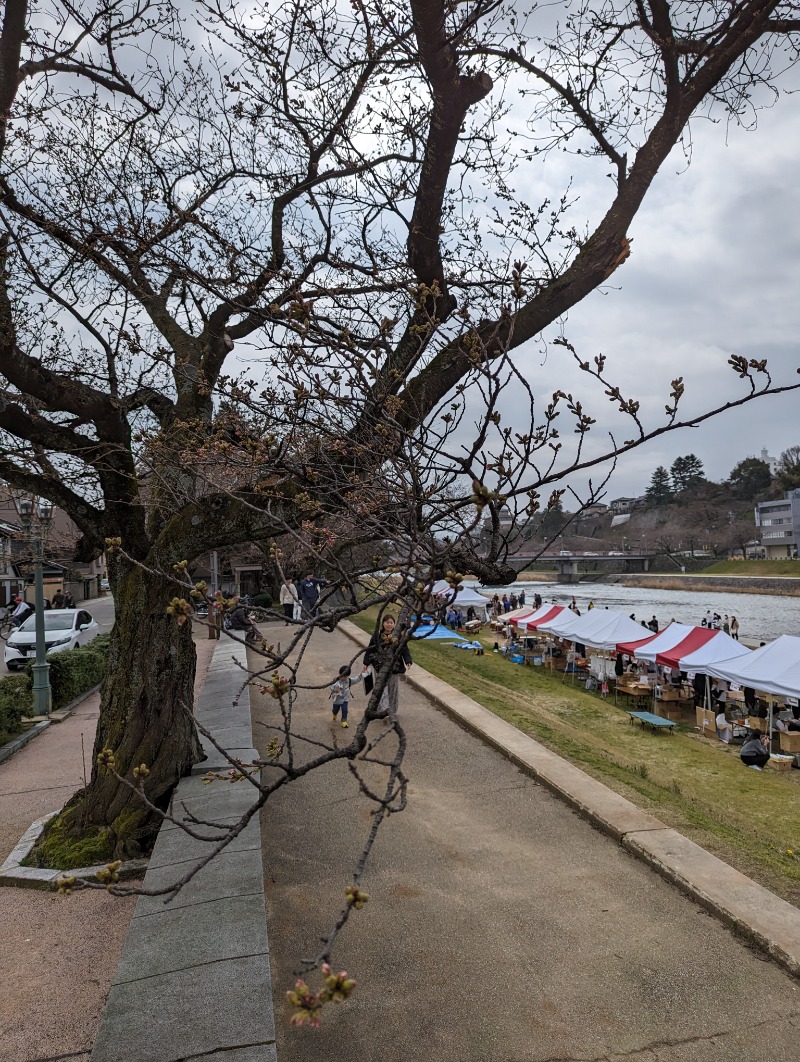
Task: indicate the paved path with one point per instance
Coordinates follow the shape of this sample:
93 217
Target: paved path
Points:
501 927
57 954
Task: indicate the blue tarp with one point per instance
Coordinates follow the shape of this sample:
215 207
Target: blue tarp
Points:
439 631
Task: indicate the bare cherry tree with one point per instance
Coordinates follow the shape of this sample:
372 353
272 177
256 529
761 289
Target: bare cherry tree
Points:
257 281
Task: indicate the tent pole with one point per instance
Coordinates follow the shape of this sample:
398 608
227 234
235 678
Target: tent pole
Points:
769 724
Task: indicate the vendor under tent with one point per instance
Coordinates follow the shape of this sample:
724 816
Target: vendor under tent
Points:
649 648
542 615
773 669
436 633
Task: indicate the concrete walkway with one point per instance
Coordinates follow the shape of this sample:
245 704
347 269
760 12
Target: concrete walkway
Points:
57 954
501 927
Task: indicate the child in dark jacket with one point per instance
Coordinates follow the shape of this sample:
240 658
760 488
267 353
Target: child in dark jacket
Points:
340 692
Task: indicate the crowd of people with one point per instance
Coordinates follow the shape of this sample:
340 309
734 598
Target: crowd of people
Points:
715 622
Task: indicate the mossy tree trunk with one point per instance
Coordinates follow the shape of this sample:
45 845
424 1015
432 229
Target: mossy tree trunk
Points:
151 668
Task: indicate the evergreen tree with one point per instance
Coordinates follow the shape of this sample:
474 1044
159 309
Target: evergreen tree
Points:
660 490
686 472
750 478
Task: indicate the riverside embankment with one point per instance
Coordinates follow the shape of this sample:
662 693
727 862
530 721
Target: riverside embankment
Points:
727 584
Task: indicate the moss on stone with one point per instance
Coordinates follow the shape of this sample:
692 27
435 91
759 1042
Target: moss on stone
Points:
58 850
129 822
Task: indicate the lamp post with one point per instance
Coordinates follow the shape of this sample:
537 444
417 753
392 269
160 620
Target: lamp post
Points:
36 515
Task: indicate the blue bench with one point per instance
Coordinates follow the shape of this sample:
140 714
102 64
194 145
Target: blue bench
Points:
652 720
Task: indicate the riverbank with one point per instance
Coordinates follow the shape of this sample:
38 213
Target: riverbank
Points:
742 584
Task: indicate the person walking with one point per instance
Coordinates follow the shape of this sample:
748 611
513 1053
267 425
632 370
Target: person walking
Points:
69 601
380 656
58 599
340 692
734 628
309 594
289 597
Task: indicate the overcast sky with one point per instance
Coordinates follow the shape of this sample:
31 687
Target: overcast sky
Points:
714 270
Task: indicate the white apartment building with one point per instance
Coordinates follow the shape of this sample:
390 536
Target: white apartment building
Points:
780 525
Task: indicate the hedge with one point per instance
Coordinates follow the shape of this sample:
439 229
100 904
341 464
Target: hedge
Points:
16 700
74 671
263 600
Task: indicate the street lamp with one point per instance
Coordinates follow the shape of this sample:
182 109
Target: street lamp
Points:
36 515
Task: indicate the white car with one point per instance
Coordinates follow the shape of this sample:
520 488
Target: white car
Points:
64 628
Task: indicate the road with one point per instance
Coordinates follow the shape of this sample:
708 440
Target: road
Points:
501 927
100 609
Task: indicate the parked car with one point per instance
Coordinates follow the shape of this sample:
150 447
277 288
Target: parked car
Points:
64 628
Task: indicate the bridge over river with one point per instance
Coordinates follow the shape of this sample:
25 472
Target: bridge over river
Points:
571 565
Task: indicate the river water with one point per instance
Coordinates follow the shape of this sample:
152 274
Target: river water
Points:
761 617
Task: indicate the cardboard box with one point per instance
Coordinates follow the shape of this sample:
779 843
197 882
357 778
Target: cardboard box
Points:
671 693
709 723
790 742
758 724
781 763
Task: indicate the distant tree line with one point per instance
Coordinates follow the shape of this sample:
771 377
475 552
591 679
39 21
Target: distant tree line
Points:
749 479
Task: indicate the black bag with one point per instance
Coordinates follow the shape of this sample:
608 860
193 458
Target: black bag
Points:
369 683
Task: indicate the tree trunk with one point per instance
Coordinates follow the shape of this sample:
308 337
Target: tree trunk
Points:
151 667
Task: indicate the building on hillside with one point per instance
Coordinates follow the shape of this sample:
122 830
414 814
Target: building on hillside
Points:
626 505
768 459
780 525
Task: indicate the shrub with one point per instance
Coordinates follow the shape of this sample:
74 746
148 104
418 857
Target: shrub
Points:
263 600
100 644
74 671
15 701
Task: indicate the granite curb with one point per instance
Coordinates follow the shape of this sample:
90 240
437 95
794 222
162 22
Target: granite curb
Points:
748 908
21 740
12 872
194 977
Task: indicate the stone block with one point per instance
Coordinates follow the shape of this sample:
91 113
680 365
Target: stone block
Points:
231 874
178 938
190 1013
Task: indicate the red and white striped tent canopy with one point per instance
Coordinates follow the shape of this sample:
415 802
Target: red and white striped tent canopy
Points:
649 647
545 614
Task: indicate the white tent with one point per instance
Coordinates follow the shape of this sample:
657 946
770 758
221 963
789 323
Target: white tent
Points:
517 614
601 628
463 598
774 668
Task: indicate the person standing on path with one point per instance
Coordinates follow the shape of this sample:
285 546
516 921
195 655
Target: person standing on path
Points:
309 594
380 656
734 628
340 692
289 598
